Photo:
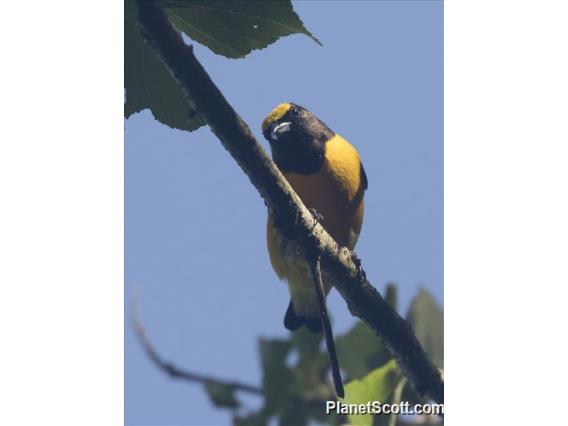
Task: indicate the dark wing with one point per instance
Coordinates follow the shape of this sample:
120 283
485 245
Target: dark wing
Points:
364 182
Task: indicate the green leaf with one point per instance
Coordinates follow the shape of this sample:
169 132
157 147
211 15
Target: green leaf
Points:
250 419
277 377
222 395
293 414
235 28
312 366
391 296
427 319
148 84
360 351
396 397
383 385
292 387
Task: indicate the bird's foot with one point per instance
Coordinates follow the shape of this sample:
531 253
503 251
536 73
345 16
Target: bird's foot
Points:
317 217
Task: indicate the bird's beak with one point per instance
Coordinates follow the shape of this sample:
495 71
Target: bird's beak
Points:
279 129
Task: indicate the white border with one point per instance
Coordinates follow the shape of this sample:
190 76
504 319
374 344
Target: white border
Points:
61 214
506 211
61 217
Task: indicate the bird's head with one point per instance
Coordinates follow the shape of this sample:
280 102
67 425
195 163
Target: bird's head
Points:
297 138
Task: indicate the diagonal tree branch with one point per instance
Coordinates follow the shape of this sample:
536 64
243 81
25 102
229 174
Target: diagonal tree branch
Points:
290 215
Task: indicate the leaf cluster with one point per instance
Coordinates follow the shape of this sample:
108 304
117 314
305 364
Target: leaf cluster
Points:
229 28
296 378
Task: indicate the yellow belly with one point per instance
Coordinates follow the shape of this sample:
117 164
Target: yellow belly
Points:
336 193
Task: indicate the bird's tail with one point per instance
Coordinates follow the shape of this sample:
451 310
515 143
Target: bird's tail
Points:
293 321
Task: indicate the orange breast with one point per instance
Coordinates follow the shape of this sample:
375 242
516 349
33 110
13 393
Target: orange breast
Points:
336 191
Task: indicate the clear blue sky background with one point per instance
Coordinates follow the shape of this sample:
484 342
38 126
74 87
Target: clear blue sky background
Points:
195 226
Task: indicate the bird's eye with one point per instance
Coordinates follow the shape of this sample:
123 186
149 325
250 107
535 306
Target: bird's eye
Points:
294 111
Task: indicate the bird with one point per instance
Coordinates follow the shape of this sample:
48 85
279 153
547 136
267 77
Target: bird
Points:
326 172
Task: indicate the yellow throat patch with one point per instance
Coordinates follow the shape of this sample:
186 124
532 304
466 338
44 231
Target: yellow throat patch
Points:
275 115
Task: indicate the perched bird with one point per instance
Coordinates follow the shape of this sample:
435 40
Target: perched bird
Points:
326 172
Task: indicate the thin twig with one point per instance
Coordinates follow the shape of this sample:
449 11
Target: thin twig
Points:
327 331
290 215
178 373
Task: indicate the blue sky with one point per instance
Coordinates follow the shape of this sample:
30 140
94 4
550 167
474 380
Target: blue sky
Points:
195 226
